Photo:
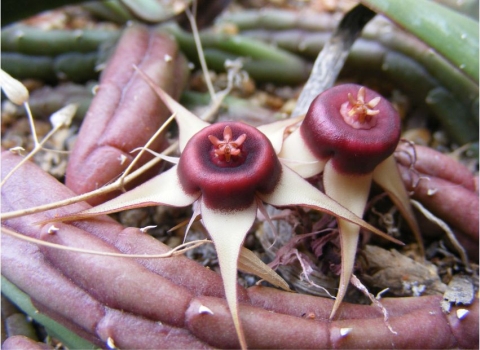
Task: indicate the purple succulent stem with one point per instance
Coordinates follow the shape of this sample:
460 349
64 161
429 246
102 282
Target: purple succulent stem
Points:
125 112
445 187
271 318
430 162
21 342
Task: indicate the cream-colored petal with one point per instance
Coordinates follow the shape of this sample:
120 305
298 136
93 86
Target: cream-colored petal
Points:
188 123
349 190
292 189
386 174
275 131
164 189
298 157
228 230
352 192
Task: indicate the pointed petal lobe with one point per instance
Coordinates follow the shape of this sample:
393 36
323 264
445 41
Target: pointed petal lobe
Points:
228 230
352 192
275 131
294 190
164 189
296 155
386 174
188 122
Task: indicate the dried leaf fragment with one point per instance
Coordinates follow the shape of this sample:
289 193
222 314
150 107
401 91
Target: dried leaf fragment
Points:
460 291
248 262
402 275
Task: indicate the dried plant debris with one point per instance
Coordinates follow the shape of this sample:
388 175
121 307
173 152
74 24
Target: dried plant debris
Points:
287 248
460 291
400 274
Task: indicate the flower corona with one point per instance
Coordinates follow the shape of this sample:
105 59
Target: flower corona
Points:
229 182
226 149
359 114
358 148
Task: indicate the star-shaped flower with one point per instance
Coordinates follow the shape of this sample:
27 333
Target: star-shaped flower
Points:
227 170
352 143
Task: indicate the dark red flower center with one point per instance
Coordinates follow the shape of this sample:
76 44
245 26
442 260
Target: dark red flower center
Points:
356 135
228 163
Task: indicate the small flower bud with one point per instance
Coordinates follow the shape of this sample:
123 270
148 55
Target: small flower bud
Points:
14 89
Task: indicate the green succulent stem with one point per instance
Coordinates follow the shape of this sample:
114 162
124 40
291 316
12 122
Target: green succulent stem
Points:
34 41
111 10
452 34
461 128
384 50
22 300
261 61
74 66
306 35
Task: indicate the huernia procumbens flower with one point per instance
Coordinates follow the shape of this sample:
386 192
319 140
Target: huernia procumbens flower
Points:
349 134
